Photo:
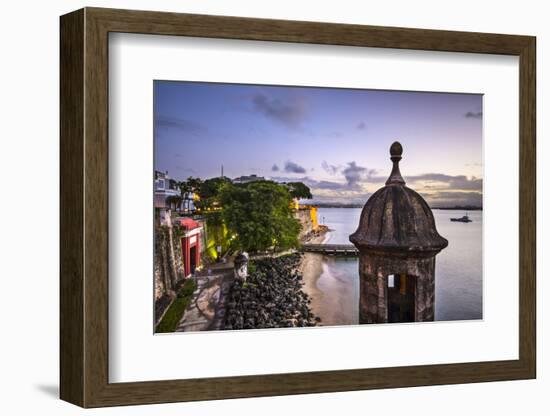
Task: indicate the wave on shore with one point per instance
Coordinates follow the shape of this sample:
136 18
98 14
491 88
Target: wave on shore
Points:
333 295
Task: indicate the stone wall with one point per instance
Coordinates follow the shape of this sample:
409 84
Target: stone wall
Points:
168 262
373 285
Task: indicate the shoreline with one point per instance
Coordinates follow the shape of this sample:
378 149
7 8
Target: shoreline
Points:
318 236
330 305
311 269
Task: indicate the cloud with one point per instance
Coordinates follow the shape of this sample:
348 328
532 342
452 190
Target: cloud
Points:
351 176
180 124
330 169
289 114
291 167
275 168
471 114
329 185
284 179
355 173
439 190
458 182
355 198
361 126
451 199
312 183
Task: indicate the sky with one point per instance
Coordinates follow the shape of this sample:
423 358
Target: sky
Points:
334 140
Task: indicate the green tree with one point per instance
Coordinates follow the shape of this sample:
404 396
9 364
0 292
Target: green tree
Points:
210 190
194 184
258 216
299 190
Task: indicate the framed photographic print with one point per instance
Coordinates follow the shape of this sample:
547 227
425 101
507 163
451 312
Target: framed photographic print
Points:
260 207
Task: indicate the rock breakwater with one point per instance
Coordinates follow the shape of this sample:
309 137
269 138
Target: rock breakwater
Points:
271 297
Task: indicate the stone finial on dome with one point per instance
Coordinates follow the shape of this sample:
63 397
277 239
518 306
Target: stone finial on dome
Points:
396 150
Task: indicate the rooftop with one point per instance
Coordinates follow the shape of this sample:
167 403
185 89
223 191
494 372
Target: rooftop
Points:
396 218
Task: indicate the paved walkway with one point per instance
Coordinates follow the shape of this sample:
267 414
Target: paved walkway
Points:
207 308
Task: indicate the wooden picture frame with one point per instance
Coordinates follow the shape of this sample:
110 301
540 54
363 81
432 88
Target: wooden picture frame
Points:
84 207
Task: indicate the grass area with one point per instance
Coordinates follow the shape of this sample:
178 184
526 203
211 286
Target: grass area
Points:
173 315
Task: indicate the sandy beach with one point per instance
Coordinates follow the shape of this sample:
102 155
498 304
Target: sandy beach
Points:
331 298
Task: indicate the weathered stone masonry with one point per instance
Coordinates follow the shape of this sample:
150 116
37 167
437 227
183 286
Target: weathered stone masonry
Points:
397 242
168 263
178 249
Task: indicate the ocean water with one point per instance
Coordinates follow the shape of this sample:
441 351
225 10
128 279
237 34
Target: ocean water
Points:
458 274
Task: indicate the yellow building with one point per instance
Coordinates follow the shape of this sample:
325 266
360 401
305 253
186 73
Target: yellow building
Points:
307 216
313 215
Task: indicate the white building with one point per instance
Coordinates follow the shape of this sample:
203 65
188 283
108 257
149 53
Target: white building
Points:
167 195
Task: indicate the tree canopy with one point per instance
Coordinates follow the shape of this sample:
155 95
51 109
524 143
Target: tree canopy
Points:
259 216
299 190
210 190
191 185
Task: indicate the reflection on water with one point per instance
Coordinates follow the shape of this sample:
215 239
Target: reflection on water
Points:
340 280
458 274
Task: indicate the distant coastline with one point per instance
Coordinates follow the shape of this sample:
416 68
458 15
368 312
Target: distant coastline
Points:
457 208
460 208
336 205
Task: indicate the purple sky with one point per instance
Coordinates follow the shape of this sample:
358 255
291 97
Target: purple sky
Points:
334 140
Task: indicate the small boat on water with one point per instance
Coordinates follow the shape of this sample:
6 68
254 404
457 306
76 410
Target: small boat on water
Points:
464 218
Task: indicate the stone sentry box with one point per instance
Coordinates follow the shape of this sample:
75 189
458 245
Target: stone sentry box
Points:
398 243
